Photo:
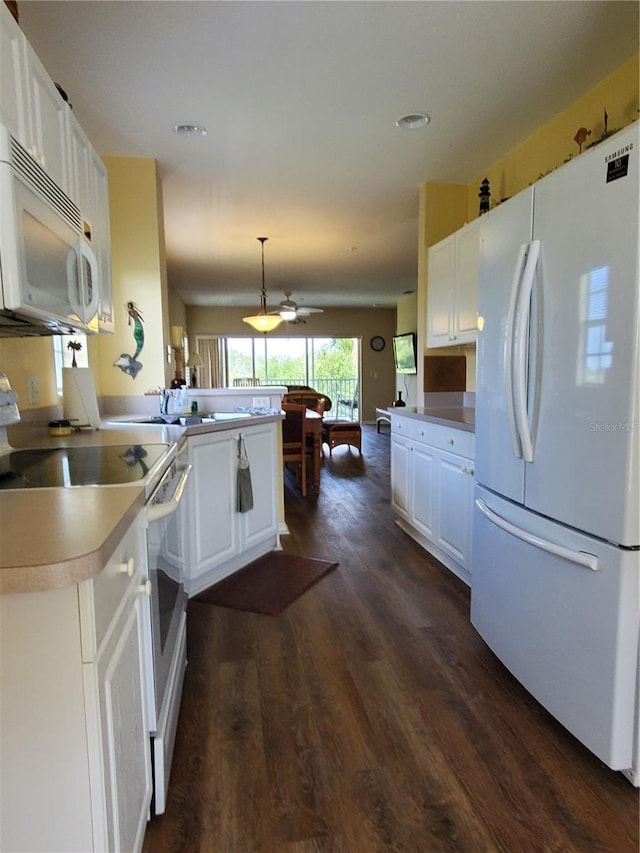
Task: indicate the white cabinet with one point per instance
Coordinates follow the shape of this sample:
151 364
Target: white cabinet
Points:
432 488
455 507
76 763
14 102
30 105
49 112
89 189
221 539
101 239
452 302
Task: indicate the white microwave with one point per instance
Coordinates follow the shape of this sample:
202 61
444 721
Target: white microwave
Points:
48 271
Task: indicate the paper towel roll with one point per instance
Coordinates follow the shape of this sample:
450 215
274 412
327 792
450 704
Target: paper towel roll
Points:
79 403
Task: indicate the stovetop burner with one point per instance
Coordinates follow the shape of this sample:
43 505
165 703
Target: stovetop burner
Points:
78 466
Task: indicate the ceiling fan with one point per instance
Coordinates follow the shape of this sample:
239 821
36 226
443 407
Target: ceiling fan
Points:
290 311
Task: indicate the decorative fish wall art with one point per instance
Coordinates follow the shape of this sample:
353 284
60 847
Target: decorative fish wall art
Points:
129 364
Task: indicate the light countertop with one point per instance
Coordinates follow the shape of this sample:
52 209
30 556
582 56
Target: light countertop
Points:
52 537
460 417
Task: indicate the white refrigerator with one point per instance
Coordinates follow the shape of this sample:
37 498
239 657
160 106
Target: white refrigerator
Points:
555 559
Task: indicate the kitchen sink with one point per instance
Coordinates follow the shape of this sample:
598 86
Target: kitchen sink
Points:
160 420
178 420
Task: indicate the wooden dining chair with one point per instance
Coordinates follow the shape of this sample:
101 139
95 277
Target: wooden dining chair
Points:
293 441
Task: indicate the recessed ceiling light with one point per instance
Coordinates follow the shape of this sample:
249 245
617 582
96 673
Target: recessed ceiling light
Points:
190 130
413 121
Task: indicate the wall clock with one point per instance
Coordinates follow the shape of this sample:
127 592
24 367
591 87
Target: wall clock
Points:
377 343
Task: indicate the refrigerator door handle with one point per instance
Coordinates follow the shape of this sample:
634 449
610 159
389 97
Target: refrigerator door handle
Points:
581 558
511 320
521 341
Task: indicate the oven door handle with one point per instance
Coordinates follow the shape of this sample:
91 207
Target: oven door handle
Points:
167 507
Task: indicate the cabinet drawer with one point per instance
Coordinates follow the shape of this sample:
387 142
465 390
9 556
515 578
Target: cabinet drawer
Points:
101 597
403 425
458 441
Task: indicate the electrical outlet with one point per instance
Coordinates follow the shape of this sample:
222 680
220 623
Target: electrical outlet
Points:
33 390
260 402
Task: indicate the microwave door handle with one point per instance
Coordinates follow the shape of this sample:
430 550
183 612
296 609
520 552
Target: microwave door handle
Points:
74 282
89 281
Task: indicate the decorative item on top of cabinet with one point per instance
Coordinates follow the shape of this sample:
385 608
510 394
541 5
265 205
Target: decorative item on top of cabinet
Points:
452 295
485 197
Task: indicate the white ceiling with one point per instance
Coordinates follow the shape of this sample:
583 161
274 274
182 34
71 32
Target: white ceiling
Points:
300 101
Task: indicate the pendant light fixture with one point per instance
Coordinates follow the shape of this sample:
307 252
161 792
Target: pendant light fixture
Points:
263 322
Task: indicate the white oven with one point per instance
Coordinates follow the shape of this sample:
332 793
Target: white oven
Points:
167 617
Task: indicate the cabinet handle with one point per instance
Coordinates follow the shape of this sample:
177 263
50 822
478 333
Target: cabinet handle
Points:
450 441
145 588
128 568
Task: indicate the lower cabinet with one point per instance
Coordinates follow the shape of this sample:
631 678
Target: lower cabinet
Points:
75 772
432 488
220 539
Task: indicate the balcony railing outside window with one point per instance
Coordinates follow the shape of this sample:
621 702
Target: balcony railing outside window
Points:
329 365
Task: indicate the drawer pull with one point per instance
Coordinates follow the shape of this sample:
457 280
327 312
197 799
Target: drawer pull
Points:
450 441
127 568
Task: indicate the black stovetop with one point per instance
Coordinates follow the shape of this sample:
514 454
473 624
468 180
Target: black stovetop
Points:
78 466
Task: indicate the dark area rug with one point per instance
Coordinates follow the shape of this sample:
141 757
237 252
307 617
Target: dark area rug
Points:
269 584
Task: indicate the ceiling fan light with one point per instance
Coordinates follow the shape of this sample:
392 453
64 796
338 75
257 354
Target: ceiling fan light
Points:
288 314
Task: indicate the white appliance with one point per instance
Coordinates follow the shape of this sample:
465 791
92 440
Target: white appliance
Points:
49 280
555 559
166 618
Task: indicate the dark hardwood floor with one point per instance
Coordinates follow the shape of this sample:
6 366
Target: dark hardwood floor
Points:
370 716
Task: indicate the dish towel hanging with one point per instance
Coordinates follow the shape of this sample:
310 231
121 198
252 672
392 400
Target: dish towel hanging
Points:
244 496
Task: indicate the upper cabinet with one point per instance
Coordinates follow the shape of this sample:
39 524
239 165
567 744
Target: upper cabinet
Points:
452 301
14 101
49 112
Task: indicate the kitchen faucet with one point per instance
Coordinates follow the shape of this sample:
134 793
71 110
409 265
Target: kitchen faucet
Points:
165 395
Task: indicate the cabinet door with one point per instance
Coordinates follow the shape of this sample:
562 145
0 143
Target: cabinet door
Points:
440 293
465 323
455 506
214 531
422 488
49 123
101 238
261 522
14 100
400 475
124 731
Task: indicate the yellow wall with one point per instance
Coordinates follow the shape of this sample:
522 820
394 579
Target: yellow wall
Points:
20 359
139 276
552 144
